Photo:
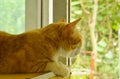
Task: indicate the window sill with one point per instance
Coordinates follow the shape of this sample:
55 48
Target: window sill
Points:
25 76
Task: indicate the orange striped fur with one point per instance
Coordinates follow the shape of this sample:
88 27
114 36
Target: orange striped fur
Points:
38 50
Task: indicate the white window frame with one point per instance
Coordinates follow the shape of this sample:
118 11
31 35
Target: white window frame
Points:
40 12
32 14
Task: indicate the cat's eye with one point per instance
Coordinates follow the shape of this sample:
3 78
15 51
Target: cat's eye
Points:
73 47
76 42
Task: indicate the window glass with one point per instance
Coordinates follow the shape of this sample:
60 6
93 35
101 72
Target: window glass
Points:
99 25
12 16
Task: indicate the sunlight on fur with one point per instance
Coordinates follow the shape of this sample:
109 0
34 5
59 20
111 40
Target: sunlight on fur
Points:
38 50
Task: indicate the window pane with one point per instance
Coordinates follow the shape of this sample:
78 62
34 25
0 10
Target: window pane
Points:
102 64
12 16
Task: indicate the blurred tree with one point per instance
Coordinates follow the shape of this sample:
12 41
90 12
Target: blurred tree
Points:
12 16
105 32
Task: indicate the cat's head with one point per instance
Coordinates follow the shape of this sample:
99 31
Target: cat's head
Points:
71 39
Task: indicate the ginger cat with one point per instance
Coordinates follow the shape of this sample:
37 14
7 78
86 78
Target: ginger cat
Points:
38 50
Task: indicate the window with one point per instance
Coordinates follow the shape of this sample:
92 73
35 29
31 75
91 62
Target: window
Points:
99 27
19 16
12 16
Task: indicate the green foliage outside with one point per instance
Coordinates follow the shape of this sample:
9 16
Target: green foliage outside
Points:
106 29
12 16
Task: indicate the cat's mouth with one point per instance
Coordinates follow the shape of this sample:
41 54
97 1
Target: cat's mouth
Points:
75 52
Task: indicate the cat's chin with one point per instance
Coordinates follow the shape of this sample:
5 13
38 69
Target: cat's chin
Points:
73 56
69 56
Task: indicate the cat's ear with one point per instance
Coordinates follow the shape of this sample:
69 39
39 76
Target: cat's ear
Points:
71 26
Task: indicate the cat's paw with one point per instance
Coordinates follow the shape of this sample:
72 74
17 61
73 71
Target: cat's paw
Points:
59 69
62 70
